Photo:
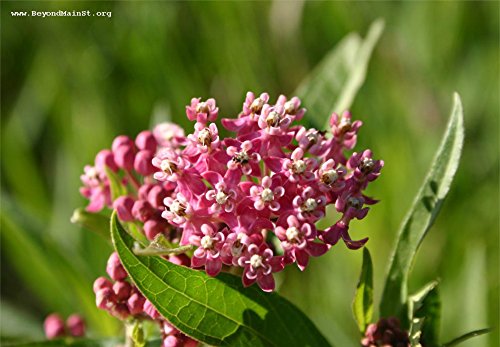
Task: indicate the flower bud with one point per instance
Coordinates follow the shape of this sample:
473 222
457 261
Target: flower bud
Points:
171 341
120 141
142 163
156 196
136 303
53 326
123 206
144 191
105 298
152 228
76 325
145 140
124 157
104 159
120 311
122 290
114 268
100 283
150 310
142 210
180 259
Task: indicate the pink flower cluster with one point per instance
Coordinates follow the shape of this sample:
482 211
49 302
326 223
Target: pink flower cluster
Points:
251 200
55 327
123 300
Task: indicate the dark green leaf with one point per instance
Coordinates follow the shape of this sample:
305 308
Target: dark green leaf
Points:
465 337
333 84
217 311
422 215
424 310
362 305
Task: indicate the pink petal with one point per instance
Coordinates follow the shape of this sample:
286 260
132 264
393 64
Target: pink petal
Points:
266 283
302 259
213 266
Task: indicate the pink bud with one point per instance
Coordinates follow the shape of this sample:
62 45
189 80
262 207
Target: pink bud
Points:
105 158
150 310
53 326
136 303
171 341
144 191
152 228
120 141
146 141
115 269
142 163
122 290
120 311
100 283
180 259
105 298
76 325
143 210
124 157
156 196
123 206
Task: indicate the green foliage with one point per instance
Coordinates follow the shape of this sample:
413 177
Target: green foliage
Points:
95 222
362 305
424 315
465 337
422 215
117 189
71 342
217 311
334 83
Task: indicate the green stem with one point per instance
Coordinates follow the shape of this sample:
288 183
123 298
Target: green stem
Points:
154 250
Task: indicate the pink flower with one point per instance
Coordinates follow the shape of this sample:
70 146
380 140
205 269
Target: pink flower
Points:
243 158
365 169
298 168
205 138
297 240
267 194
76 325
54 326
310 205
259 264
330 177
208 252
202 111
222 197
168 135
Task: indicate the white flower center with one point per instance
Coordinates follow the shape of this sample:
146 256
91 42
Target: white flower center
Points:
299 166
256 261
273 119
366 165
355 202
178 208
329 177
345 125
267 195
167 166
202 107
313 137
207 242
256 105
92 173
205 137
292 233
241 157
221 197
309 205
290 107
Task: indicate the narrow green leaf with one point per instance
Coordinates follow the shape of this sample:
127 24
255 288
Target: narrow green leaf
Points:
115 184
333 84
425 308
92 221
217 311
422 215
465 337
362 306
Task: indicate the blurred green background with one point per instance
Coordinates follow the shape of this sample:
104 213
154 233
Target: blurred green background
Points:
70 85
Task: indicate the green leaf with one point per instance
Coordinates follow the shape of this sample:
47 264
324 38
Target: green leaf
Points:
362 305
465 337
78 343
92 221
422 214
217 311
333 84
424 310
115 184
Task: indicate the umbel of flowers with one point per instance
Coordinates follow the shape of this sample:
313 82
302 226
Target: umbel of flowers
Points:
250 201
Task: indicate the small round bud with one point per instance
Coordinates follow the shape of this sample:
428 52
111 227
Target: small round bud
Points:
122 290
142 210
120 311
156 196
124 157
100 283
152 228
150 310
136 304
144 191
76 325
54 326
123 206
104 159
121 140
142 163
180 259
105 298
145 140
115 269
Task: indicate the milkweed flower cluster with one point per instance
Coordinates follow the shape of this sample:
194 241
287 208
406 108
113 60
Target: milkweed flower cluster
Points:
251 200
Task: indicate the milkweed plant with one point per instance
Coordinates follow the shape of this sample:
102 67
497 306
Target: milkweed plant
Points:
201 222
